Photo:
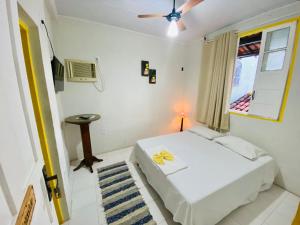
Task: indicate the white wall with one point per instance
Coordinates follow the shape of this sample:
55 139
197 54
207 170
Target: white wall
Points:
281 140
50 21
130 107
193 58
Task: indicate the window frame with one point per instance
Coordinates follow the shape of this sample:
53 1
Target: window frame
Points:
290 73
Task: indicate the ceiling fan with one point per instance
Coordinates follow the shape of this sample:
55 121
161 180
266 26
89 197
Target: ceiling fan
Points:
175 16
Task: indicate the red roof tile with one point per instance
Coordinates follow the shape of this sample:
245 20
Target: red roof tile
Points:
242 104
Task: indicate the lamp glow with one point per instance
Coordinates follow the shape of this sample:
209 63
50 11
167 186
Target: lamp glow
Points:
173 29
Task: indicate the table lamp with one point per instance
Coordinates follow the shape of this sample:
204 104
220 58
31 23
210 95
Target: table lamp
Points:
182 118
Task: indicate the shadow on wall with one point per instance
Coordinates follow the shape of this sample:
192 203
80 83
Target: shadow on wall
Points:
279 179
73 140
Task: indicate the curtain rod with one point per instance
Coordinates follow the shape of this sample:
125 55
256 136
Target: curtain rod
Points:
211 40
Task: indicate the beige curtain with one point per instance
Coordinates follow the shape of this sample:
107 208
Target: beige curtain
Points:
215 83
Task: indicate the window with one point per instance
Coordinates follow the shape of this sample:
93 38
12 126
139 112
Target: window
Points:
275 50
245 71
261 72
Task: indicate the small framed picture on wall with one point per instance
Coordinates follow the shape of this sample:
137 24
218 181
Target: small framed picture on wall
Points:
152 76
145 68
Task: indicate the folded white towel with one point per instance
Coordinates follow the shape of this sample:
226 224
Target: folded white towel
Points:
170 167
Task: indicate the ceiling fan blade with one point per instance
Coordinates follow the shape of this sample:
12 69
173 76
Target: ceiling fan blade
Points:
151 16
188 6
181 25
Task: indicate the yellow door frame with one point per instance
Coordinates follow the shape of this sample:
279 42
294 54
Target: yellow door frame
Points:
34 91
291 70
297 217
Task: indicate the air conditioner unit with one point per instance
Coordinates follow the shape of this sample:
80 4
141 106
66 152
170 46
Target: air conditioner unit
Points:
81 70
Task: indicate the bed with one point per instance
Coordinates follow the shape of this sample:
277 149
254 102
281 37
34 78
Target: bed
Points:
216 182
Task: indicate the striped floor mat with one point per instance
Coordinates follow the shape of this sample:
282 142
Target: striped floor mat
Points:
122 202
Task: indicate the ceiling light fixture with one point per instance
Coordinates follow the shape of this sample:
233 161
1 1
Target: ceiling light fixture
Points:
173 29
175 16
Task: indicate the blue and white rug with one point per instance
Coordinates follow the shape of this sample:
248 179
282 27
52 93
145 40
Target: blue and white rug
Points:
122 202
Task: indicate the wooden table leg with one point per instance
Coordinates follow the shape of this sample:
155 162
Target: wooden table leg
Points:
81 164
89 159
95 159
86 143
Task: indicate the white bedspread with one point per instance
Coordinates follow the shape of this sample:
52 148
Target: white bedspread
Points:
169 167
216 182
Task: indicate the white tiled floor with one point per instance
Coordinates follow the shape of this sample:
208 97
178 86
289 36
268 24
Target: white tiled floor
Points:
274 207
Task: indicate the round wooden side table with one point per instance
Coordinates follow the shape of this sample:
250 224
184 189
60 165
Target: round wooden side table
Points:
84 121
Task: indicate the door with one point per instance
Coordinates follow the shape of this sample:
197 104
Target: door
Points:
272 71
21 161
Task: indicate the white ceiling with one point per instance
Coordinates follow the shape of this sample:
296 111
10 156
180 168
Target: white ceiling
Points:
206 17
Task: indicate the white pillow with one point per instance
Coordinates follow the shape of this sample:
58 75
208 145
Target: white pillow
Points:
242 147
205 132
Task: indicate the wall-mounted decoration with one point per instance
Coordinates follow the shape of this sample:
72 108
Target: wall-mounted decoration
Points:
152 76
27 207
145 68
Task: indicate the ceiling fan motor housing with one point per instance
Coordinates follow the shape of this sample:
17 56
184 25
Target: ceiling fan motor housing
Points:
174 16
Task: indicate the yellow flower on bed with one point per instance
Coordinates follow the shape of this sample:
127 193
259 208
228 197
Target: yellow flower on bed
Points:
158 158
161 156
167 155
